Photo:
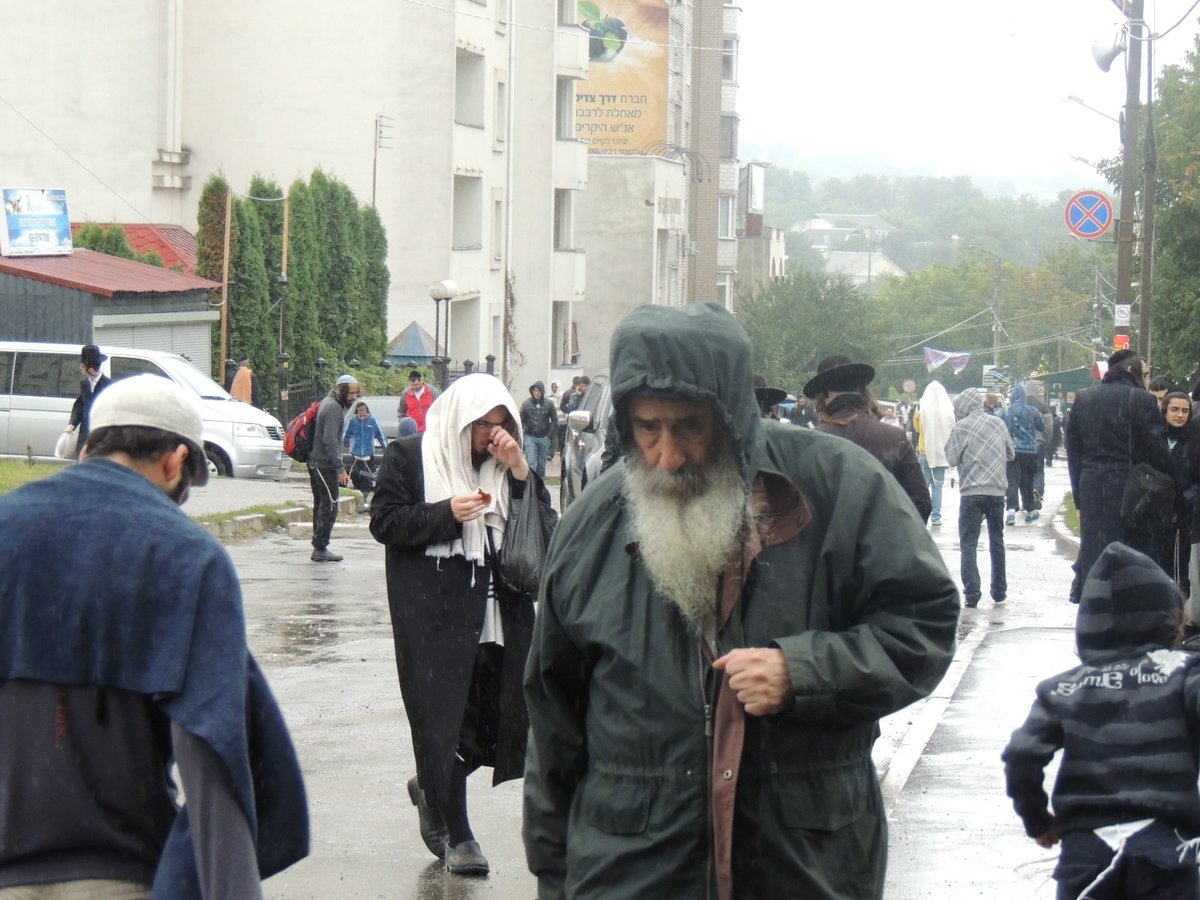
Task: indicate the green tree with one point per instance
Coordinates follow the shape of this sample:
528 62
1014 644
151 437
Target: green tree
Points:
371 340
250 326
799 319
113 240
303 339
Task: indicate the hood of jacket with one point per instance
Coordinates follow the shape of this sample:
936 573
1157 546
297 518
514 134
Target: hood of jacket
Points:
540 386
968 402
1017 395
1129 605
695 352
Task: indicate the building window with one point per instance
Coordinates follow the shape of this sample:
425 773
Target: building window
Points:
729 60
564 109
729 141
678 45
562 329
469 86
567 14
497 227
725 290
563 226
468 213
500 124
725 216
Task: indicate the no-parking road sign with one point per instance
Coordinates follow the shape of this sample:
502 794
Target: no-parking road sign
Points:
1089 214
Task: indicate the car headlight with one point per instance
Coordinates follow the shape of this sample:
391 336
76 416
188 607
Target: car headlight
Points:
249 430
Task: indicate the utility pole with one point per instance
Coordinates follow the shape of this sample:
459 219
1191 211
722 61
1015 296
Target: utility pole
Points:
1129 142
995 304
1149 192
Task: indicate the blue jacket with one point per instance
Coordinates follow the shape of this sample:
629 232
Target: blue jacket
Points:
1024 422
166 622
361 435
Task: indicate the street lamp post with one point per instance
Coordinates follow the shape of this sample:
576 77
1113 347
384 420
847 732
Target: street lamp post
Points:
439 291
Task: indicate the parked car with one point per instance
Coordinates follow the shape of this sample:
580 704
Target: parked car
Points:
39 383
583 441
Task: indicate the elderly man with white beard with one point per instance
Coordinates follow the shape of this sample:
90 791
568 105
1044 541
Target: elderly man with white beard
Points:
724 617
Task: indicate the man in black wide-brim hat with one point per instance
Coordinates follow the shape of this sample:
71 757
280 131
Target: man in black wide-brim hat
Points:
847 408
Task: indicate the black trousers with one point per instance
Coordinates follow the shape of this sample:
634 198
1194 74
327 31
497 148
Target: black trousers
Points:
1020 479
1149 868
324 484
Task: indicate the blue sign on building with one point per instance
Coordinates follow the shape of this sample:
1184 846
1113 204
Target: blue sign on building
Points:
36 222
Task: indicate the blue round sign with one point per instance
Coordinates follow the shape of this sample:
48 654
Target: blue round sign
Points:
1089 214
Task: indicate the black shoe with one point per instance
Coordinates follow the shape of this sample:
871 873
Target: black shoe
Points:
433 826
971 603
466 859
998 600
324 554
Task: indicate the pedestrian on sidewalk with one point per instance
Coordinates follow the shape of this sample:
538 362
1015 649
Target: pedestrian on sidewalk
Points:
125 679
539 422
701 715
933 422
845 404
981 447
416 399
1125 802
442 503
361 436
1024 425
326 471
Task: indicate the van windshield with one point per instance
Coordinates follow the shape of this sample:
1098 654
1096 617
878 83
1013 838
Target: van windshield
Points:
181 371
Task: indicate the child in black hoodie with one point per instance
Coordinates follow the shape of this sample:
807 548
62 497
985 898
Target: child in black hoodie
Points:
1126 805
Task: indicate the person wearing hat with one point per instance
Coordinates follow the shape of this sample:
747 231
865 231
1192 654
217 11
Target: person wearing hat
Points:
92 383
768 398
1113 427
845 406
416 399
122 655
326 470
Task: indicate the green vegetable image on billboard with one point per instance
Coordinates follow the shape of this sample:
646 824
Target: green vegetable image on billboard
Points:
622 105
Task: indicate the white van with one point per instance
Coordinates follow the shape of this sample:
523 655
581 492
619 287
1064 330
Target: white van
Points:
39 384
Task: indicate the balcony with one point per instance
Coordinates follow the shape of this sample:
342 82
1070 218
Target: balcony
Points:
727 253
472 149
571 51
728 178
568 280
728 98
730 20
570 164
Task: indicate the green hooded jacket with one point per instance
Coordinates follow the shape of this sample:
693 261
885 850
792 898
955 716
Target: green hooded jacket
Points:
626 795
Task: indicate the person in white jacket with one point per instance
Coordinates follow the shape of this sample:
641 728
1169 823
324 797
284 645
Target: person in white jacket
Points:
933 422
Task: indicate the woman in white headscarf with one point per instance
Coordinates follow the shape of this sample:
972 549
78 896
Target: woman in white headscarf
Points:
933 423
441 507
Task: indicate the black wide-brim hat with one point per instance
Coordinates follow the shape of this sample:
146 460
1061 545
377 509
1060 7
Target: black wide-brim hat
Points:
769 396
838 373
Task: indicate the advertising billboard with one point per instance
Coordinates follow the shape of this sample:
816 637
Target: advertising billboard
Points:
622 105
35 222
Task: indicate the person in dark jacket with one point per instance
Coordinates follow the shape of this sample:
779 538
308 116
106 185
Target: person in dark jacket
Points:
1173 545
701 720
326 470
1125 803
90 385
1112 427
843 402
1025 426
125 677
539 423
441 506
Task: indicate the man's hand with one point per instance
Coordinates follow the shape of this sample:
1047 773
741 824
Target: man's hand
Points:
760 677
505 448
467 507
1047 839
343 478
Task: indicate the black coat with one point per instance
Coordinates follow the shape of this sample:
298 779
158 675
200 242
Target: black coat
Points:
82 408
889 445
1112 427
437 617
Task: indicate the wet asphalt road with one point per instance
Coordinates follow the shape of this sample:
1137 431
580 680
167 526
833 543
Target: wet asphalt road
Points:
322 633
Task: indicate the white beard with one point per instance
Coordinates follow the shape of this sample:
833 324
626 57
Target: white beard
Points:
688 526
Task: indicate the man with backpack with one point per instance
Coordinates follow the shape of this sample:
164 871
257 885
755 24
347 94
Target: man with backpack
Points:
326 471
1024 424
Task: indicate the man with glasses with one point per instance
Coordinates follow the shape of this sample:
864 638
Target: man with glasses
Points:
326 472
442 507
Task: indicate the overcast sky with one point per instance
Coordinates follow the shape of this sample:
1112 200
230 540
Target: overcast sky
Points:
941 87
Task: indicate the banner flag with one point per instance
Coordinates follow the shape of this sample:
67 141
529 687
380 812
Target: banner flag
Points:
958 360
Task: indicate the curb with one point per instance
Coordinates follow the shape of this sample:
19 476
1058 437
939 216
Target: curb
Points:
256 523
1064 538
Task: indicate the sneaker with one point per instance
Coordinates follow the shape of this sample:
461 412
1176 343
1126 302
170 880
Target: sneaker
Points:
998 600
324 554
1010 519
935 523
1037 500
1032 516
970 603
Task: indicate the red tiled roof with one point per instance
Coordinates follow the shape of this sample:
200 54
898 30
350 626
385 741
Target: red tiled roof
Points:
99 273
174 244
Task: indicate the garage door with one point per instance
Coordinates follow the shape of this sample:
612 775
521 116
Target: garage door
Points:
193 340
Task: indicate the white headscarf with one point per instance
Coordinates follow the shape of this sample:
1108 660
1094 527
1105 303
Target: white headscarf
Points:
937 418
446 460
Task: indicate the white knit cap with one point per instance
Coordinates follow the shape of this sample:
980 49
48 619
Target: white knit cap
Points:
154 402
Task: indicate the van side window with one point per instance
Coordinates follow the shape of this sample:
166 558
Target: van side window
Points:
124 366
47 375
6 361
